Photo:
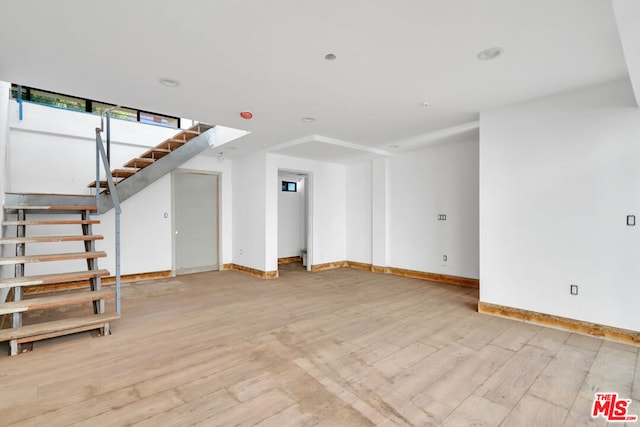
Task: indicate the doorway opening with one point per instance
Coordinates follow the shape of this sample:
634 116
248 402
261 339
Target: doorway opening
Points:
195 221
294 221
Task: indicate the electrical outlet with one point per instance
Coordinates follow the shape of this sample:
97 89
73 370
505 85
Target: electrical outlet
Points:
444 257
241 251
573 289
442 217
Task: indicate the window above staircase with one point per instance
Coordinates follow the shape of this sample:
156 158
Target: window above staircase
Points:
74 103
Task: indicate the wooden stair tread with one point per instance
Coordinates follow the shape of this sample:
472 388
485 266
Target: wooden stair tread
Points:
175 143
56 326
48 239
66 298
123 173
187 134
139 162
52 208
50 279
155 153
51 257
52 222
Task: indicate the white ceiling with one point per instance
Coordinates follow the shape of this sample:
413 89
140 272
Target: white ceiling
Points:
268 57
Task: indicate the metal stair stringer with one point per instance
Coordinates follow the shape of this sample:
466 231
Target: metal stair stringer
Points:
145 177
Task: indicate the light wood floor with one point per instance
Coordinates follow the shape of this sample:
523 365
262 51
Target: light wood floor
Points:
336 348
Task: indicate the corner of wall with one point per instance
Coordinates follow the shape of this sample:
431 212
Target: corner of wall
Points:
4 130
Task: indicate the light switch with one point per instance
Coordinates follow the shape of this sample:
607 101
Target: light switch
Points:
631 220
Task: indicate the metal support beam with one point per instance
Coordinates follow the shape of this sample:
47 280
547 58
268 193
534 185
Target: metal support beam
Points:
19 269
92 263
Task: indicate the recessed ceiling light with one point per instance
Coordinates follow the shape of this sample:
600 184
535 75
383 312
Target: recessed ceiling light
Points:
491 53
308 119
330 57
169 82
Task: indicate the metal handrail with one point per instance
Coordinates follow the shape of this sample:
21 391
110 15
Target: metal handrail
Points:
102 155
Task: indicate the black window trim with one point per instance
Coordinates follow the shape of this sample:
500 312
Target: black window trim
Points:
89 104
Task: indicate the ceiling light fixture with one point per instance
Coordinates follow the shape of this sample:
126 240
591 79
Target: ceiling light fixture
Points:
169 82
330 57
491 53
308 119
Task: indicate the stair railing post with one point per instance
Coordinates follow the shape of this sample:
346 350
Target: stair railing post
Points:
115 198
98 130
19 268
108 116
118 260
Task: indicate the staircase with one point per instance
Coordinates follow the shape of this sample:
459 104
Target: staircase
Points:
90 313
35 316
154 154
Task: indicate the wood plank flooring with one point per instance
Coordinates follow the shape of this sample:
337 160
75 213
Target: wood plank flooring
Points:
340 347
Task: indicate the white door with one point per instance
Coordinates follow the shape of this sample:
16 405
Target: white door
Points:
195 210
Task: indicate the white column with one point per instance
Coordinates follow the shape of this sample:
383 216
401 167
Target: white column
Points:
379 212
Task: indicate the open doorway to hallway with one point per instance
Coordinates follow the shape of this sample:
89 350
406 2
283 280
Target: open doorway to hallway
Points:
294 222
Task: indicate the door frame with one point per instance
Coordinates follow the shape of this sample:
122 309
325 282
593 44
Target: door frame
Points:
173 217
308 176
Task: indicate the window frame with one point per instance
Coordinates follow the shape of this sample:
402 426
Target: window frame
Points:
122 113
286 186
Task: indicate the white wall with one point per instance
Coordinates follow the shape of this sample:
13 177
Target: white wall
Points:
4 117
291 218
380 212
146 235
558 176
441 179
359 212
627 13
249 225
327 192
53 151
5 89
